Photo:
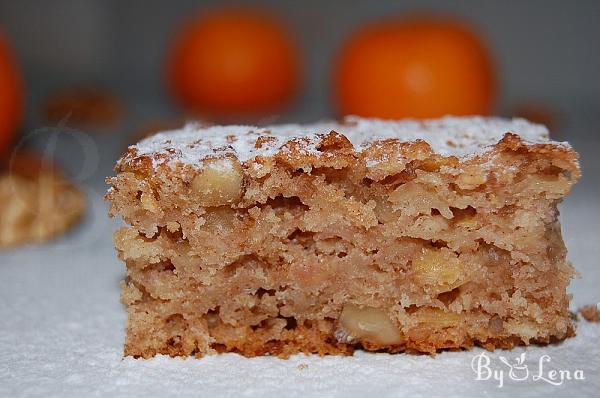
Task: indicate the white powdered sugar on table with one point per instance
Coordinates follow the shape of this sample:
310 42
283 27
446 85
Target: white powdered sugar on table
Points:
458 136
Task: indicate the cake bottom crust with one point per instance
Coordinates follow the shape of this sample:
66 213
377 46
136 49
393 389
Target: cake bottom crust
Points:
283 340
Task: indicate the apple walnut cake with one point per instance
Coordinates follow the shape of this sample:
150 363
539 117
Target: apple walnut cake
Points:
382 235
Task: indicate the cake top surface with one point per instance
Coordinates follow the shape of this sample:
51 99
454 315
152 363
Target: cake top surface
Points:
447 136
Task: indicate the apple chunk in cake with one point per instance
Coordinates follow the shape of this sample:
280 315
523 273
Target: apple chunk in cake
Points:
382 235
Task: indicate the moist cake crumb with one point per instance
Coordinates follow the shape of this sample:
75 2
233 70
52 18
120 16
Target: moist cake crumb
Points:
403 236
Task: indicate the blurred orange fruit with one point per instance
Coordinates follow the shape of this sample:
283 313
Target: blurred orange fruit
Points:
11 96
420 68
234 62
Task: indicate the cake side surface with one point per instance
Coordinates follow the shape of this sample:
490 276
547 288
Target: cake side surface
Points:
324 242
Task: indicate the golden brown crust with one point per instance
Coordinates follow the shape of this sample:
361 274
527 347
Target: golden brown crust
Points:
379 158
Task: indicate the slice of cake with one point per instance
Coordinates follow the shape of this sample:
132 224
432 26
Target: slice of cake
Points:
382 235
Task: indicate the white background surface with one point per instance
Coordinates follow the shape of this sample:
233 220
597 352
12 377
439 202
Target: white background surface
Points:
62 330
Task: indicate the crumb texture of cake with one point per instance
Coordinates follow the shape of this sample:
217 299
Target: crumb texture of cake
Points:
403 236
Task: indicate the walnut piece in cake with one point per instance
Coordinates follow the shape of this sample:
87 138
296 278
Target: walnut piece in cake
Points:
382 235
590 312
37 202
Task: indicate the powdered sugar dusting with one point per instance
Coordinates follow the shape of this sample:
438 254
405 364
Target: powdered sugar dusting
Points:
458 136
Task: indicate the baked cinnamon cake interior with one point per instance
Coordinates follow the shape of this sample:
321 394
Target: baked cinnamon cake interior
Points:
381 235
